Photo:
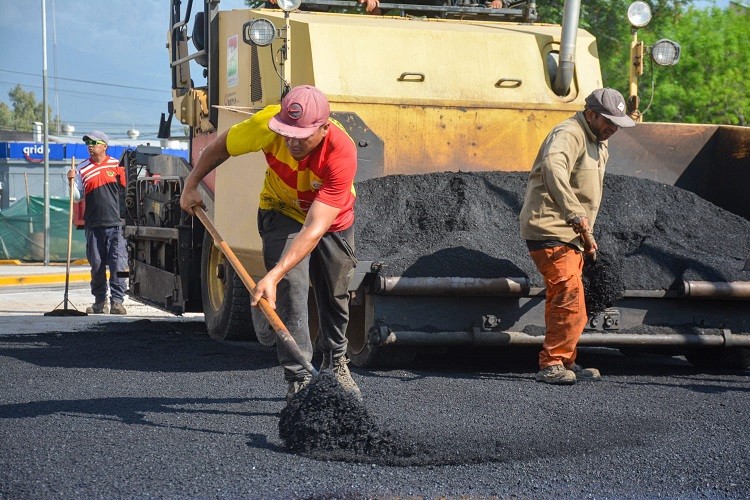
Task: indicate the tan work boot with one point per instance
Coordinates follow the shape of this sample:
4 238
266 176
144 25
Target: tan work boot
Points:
117 308
585 374
296 386
98 308
342 373
556 374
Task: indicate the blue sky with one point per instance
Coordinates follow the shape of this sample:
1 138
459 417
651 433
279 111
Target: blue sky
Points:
119 44
116 43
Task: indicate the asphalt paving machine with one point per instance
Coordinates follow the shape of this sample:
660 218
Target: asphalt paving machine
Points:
452 88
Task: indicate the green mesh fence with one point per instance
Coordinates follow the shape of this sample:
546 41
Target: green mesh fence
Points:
22 231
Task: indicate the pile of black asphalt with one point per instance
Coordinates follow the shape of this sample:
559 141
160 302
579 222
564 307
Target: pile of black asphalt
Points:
324 421
466 224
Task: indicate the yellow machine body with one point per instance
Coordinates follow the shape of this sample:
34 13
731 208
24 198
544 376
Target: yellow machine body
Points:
441 95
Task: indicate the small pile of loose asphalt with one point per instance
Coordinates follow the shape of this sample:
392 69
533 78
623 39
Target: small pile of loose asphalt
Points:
602 282
324 421
466 224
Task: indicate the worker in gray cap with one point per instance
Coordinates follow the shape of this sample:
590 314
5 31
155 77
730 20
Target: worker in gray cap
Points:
99 180
562 199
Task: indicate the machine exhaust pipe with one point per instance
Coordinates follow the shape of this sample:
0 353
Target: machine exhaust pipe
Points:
567 58
383 336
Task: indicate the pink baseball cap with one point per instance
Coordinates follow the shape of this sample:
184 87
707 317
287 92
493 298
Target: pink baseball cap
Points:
303 110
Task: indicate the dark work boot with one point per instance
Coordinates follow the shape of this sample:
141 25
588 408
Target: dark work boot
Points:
98 308
585 374
117 308
326 363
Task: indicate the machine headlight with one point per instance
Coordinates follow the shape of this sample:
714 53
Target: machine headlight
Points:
639 14
289 5
259 32
665 52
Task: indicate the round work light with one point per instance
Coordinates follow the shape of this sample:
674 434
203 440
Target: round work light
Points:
665 52
289 5
639 14
259 32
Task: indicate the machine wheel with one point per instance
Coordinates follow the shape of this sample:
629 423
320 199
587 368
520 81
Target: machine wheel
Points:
733 358
226 301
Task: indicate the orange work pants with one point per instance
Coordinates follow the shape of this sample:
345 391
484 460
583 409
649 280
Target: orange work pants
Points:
565 308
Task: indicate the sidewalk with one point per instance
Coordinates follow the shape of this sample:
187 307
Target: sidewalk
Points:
23 309
14 272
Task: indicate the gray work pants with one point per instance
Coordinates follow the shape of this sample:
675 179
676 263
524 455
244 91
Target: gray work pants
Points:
329 269
105 248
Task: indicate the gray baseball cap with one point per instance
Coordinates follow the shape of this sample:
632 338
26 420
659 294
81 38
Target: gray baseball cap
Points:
96 136
610 104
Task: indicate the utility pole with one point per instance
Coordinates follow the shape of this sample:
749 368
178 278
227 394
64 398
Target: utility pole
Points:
46 133
58 123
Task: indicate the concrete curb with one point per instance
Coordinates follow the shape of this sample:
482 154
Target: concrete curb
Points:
15 272
44 279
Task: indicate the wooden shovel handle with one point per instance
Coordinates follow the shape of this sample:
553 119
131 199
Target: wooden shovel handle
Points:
278 326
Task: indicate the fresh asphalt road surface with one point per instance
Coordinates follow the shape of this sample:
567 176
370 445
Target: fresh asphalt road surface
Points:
148 405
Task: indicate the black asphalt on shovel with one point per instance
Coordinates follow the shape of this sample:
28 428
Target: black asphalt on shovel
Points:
282 334
65 311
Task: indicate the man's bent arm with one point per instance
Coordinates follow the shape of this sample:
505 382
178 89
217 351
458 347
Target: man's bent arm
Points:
317 223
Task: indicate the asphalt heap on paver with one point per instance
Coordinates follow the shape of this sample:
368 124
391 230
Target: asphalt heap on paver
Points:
467 225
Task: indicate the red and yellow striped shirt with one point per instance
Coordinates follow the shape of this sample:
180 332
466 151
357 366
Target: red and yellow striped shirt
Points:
290 187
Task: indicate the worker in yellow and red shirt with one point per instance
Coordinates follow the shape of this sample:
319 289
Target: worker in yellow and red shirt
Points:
305 219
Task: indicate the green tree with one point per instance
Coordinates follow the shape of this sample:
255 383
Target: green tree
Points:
6 116
25 111
708 84
25 108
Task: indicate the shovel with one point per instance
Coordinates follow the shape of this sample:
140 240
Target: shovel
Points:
65 311
282 334
747 264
